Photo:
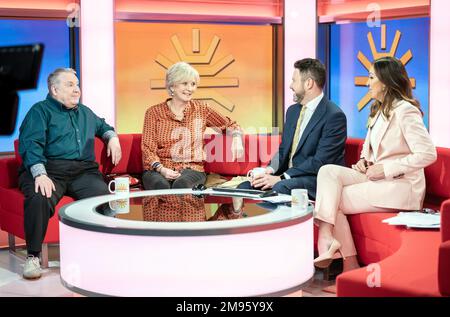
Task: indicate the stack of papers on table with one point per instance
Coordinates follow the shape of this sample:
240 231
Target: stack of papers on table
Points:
415 220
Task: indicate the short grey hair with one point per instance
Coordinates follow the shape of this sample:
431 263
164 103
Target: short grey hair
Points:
180 72
53 78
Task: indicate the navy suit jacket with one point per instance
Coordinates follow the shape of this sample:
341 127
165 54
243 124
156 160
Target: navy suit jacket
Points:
322 142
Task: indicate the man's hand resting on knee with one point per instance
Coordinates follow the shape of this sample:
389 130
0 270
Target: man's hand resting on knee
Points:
45 185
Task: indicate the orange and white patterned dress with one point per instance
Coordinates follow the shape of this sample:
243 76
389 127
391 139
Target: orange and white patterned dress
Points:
178 144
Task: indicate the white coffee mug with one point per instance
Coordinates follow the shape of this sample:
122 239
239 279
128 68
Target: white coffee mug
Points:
299 199
122 186
120 206
256 172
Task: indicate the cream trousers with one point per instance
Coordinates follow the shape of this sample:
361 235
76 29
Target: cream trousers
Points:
342 191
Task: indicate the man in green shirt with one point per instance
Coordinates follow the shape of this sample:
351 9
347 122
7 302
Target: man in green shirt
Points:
56 143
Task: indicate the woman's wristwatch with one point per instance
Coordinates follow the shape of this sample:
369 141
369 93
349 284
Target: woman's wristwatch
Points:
157 166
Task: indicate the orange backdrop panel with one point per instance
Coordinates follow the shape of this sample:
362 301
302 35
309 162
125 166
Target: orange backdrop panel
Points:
242 89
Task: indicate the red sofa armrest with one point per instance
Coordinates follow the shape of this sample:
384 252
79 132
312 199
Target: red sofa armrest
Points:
9 172
444 268
445 220
444 250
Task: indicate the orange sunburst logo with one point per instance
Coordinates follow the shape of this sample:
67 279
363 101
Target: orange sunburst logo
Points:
362 80
208 71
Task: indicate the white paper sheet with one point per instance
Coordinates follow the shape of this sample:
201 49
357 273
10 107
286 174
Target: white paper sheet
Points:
415 220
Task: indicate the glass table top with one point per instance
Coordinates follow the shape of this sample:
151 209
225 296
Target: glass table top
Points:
179 212
184 208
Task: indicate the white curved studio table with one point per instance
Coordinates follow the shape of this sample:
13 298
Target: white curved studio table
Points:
269 254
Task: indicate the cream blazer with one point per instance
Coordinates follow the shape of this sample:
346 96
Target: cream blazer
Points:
404 148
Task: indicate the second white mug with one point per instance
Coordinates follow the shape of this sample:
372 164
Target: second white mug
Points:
299 199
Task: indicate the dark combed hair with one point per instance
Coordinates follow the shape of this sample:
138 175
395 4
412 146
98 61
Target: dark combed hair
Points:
313 68
392 73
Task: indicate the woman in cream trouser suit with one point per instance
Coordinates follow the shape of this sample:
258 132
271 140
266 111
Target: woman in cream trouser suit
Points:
388 177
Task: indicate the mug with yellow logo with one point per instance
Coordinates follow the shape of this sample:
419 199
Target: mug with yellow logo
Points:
122 186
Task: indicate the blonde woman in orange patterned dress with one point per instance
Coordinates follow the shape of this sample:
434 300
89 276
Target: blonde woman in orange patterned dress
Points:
172 138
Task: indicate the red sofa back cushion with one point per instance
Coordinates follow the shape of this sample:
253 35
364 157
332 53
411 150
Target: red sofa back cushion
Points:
259 149
219 159
216 147
353 149
131 162
16 152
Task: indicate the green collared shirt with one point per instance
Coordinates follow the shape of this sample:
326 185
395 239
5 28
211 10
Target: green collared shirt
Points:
52 131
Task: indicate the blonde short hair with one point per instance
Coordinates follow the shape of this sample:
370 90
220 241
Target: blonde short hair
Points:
53 78
180 72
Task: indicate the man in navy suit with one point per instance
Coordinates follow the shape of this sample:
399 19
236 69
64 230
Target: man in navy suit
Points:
314 135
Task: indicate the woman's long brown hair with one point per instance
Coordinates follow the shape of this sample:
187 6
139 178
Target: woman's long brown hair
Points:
391 72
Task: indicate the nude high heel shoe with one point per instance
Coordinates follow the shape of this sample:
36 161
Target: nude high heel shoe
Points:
324 260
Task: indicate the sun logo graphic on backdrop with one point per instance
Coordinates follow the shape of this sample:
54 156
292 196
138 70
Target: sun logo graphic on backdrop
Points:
209 72
406 57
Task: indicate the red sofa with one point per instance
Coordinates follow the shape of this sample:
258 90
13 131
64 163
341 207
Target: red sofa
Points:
407 262
410 262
